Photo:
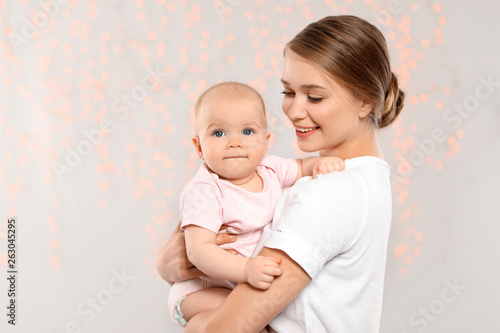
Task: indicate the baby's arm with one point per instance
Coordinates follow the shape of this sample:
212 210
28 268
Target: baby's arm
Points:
212 260
312 166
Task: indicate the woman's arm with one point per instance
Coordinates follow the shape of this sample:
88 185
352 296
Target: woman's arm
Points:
248 309
172 262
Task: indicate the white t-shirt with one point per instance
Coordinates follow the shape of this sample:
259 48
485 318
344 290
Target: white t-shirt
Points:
336 227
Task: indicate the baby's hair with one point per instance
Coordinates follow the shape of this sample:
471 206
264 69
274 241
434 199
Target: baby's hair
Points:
232 90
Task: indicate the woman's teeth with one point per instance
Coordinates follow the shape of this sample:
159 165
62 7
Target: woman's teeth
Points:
303 130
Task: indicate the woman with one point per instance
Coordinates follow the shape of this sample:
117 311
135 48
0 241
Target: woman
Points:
330 233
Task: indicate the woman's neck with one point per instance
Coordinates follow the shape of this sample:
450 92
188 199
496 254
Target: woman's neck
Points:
363 144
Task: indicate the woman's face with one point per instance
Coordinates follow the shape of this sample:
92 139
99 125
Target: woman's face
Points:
326 117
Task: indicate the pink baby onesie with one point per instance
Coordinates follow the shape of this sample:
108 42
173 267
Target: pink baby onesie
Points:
209 202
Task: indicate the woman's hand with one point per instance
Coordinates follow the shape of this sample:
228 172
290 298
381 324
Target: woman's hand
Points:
172 262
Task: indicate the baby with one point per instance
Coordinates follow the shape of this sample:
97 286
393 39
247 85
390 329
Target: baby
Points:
238 185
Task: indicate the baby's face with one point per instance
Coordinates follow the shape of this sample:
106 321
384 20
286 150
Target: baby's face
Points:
232 137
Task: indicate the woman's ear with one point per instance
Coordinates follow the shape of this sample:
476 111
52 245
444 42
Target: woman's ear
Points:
365 109
197 146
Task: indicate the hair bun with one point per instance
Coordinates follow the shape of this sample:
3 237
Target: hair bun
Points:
394 102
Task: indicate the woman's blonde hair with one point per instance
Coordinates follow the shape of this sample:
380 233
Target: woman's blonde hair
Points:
354 53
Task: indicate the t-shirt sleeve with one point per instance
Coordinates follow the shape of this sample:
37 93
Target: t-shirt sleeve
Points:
285 169
321 219
200 205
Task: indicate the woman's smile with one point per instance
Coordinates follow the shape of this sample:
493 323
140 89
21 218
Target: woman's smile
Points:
304 132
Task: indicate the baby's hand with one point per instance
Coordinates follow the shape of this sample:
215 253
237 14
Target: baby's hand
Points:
327 165
260 271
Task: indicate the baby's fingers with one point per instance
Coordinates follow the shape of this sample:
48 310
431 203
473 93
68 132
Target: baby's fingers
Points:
339 165
272 267
272 271
325 168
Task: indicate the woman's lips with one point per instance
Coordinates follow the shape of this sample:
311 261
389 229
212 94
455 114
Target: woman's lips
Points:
304 132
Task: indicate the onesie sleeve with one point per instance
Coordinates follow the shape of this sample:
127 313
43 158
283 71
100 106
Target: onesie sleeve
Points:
200 205
285 168
321 219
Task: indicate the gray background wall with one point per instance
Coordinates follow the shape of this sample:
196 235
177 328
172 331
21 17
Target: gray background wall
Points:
93 209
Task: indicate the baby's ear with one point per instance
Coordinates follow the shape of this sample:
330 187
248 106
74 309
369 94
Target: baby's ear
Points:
268 138
197 146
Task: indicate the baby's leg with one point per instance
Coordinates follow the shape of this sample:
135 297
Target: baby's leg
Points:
203 300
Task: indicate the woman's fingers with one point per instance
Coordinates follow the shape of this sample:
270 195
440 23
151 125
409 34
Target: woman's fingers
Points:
225 238
222 239
192 273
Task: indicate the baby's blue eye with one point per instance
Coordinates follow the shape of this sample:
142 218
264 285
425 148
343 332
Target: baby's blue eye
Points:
218 133
247 131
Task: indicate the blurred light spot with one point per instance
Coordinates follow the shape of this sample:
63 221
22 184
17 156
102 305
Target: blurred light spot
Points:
52 223
400 250
169 128
104 185
54 260
101 204
411 63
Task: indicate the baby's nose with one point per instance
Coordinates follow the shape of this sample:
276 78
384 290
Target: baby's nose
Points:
235 142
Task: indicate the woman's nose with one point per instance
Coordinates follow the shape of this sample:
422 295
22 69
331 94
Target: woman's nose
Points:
295 109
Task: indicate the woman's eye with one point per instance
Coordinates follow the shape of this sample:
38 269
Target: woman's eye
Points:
248 131
287 93
315 99
218 134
